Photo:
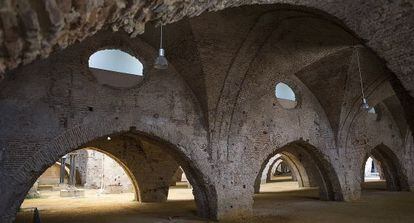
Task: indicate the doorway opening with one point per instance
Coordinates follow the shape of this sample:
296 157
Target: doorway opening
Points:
297 170
180 188
82 178
383 171
154 190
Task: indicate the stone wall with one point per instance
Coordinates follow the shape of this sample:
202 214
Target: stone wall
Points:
213 111
103 172
30 30
51 176
167 111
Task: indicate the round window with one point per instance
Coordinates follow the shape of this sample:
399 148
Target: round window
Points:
285 96
116 61
116 68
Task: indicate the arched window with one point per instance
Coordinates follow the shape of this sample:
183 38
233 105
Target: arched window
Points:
116 61
285 95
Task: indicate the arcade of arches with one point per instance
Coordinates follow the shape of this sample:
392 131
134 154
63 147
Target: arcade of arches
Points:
259 108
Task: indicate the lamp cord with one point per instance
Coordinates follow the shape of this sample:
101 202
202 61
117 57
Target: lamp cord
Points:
161 38
360 74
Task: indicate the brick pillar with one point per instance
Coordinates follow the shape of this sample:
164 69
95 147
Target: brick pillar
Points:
62 170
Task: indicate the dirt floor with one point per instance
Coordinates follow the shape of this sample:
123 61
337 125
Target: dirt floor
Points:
282 202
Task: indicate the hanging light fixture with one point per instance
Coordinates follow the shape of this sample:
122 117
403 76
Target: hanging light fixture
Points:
161 61
364 104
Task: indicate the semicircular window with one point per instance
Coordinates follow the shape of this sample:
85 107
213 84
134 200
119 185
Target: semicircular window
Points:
116 61
116 68
285 96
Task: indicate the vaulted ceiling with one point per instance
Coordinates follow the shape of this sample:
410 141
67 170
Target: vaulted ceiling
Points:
202 48
33 29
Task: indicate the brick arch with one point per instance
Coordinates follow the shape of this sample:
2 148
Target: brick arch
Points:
298 171
150 165
357 18
292 169
266 30
272 166
24 41
313 169
394 175
378 35
361 18
179 145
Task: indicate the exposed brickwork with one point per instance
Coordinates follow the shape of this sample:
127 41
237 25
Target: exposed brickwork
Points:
220 128
151 169
31 29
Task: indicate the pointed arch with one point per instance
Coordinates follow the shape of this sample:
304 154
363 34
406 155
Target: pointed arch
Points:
312 169
79 137
391 167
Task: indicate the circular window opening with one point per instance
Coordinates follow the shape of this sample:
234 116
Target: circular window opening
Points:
285 96
115 61
116 68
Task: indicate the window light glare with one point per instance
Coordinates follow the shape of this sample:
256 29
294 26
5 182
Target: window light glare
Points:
117 61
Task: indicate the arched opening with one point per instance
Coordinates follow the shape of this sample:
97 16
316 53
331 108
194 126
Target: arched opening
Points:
151 163
89 178
373 177
72 108
180 188
301 171
282 174
382 171
115 60
116 68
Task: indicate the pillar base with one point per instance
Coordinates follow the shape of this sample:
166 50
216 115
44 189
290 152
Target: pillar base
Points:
72 192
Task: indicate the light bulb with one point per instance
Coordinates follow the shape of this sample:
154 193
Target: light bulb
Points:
365 104
161 61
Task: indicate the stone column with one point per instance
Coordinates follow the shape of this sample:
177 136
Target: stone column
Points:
71 190
62 170
72 174
235 198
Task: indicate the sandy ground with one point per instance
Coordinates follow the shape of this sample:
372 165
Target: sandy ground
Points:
281 202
